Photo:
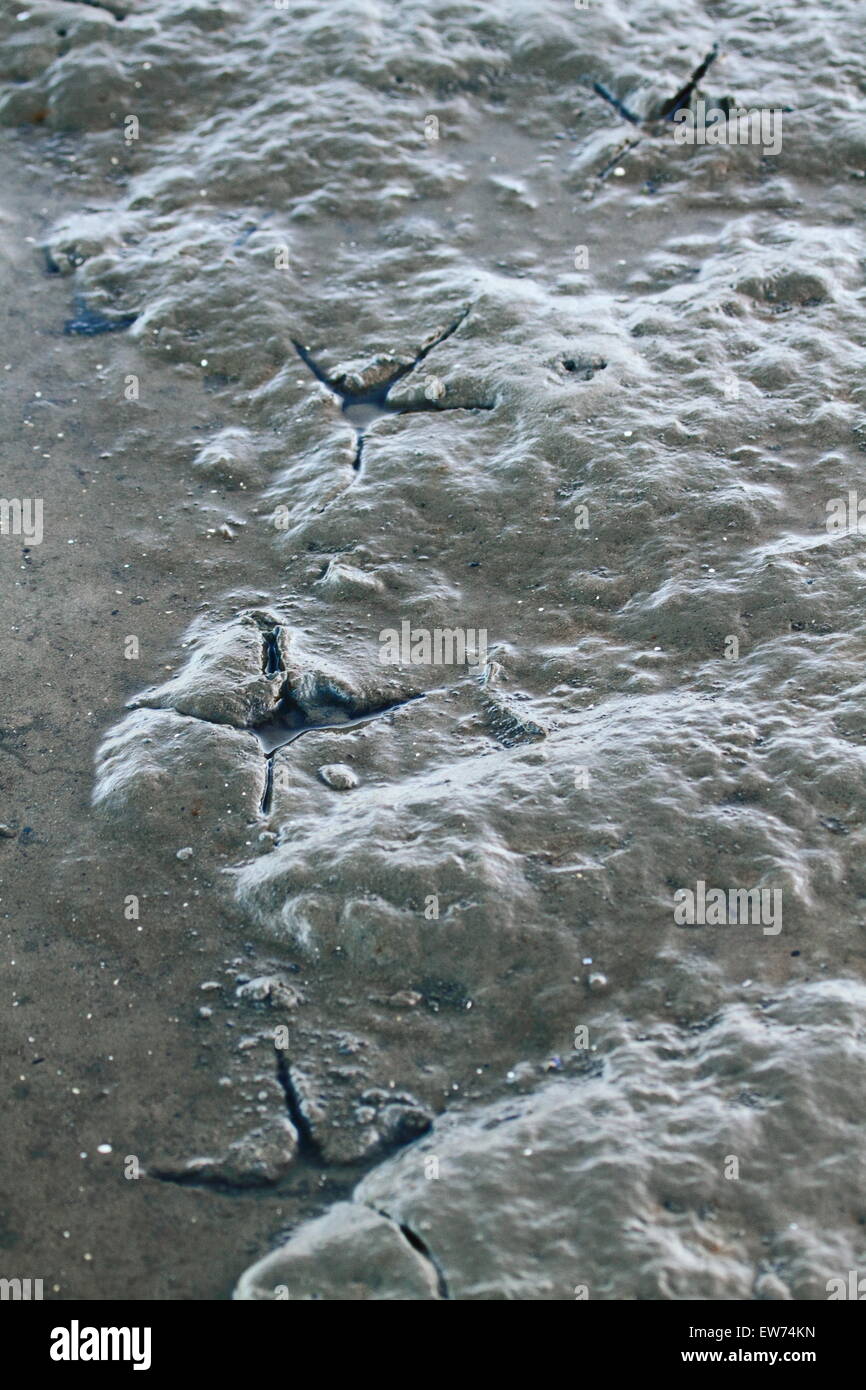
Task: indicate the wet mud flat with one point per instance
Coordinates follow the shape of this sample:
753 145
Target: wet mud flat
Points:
369 976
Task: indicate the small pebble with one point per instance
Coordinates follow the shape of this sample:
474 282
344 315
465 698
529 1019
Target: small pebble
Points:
404 999
270 989
338 775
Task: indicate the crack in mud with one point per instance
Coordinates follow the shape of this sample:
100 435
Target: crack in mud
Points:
421 1248
426 1253
361 404
191 1178
272 658
308 1146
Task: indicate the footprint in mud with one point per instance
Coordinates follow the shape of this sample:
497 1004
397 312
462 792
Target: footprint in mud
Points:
254 677
665 110
365 395
343 883
636 1156
662 113
304 699
247 688
318 1093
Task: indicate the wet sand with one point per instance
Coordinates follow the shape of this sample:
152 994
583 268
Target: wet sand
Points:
383 316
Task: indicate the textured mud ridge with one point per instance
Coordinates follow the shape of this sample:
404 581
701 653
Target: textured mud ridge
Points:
359 232
515 1200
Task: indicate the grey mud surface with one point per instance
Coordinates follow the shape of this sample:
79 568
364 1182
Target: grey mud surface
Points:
222 972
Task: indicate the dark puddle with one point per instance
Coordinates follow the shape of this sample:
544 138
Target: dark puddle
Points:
289 722
584 368
89 323
363 405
